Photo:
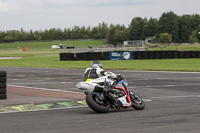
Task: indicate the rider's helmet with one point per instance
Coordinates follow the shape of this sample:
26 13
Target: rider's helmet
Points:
96 64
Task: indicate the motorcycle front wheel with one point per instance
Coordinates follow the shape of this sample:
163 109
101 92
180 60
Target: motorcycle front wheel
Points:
95 102
137 101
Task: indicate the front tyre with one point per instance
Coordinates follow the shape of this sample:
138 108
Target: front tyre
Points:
137 101
95 102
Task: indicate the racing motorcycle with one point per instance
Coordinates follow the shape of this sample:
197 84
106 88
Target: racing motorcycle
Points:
102 94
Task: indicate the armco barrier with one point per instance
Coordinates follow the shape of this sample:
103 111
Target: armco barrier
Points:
137 55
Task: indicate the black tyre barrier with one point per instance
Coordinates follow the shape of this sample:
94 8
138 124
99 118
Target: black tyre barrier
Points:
3 84
197 54
151 55
174 54
136 55
180 54
186 54
105 56
81 56
145 54
3 91
163 55
3 73
3 96
3 79
156 54
192 54
67 56
84 56
169 54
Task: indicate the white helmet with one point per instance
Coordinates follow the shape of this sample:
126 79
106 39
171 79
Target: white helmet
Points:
96 64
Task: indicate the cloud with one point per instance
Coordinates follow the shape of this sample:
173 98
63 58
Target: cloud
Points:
41 14
6 7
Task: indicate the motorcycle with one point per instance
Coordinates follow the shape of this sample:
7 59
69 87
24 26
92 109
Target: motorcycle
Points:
106 93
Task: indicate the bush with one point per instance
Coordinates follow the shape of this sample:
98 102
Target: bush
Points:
165 38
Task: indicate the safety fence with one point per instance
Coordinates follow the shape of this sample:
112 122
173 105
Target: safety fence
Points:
133 55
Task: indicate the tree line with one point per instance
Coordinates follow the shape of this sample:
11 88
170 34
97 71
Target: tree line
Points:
168 28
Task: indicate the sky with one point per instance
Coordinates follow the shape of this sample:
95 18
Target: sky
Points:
46 14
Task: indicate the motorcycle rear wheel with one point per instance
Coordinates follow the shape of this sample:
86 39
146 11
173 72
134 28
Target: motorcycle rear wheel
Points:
99 106
137 101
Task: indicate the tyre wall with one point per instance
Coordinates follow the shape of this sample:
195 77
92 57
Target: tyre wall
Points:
3 85
84 56
137 55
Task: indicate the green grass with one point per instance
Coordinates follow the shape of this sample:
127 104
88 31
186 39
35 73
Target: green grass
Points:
178 47
47 45
41 55
52 61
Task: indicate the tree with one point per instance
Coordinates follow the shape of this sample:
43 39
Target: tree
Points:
195 21
117 34
193 37
136 28
168 23
104 30
165 38
198 32
110 35
185 28
9 38
150 28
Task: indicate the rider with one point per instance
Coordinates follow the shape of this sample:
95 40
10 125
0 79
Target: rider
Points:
96 71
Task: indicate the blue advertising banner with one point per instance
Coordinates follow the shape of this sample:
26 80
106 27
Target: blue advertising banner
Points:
121 55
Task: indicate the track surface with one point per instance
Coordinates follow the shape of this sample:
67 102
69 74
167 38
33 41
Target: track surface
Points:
172 104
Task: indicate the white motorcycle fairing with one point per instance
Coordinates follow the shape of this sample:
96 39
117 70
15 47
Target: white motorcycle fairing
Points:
90 85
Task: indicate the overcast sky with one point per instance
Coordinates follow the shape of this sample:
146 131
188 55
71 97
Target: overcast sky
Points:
45 14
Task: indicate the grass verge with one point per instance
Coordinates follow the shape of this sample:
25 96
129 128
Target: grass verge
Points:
52 61
40 55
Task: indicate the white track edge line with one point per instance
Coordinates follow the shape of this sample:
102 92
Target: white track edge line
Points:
36 88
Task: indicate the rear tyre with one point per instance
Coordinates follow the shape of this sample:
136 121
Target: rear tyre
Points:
137 101
95 103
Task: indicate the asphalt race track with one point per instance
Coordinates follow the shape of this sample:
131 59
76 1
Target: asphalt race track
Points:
172 103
